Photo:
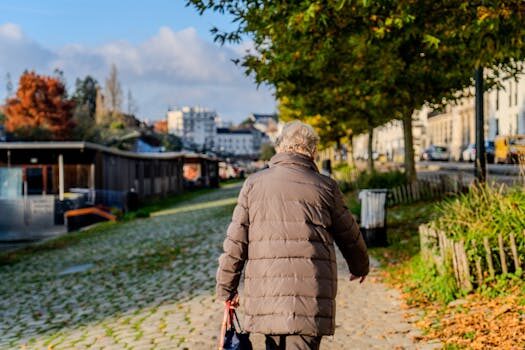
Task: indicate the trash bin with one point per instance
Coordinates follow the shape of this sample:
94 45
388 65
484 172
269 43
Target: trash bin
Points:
373 216
132 200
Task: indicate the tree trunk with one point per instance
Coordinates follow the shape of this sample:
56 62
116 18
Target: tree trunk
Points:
350 158
338 152
410 165
370 165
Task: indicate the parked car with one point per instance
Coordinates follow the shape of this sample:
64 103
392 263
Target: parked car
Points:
490 151
508 149
436 153
469 153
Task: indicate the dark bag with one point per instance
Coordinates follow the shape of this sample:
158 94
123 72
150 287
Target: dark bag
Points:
233 338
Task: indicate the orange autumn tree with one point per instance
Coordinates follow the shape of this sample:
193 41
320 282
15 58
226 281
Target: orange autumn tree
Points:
40 110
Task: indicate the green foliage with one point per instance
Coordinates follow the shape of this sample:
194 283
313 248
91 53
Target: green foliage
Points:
160 204
484 211
85 95
345 176
117 125
360 64
170 142
267 151
503 285
36 133
139 214
426 282
389 179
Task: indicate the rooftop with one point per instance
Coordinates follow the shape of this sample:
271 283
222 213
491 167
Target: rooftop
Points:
81 145
259 117
234 131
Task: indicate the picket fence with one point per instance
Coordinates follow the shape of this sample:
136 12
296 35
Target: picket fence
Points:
427 188
444 252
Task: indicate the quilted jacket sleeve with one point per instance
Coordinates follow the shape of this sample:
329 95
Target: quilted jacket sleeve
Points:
347 236
231 262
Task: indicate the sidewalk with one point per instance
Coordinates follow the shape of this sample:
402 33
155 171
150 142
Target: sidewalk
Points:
148 284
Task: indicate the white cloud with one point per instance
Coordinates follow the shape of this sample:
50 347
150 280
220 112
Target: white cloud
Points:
170 68
11 31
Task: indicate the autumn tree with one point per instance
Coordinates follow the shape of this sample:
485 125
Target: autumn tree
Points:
40 109
161 126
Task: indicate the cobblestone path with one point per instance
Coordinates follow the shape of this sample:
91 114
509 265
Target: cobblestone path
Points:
148 284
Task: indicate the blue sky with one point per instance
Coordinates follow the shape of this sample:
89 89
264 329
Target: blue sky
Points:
163 49
58 22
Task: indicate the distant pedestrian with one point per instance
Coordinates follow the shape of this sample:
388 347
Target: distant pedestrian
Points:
282 233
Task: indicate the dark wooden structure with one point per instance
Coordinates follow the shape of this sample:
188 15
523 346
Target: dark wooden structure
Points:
109 172
41 181
200 170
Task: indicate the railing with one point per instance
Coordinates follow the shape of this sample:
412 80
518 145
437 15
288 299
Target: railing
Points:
500 257
428 188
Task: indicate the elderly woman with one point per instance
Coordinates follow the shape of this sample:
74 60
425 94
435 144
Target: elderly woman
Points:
283 231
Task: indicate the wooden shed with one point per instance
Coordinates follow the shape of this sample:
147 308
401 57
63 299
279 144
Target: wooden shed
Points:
60 167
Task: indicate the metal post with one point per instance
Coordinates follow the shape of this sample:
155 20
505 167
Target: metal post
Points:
481 165
92 191
61 177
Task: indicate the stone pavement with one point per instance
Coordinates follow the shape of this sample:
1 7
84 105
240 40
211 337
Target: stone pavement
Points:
148 284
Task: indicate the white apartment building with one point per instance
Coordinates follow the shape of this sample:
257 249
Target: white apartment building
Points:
454 126
240 142
195 125
506 111
268 124
389 140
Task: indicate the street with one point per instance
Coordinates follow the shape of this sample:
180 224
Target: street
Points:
149 284
498 173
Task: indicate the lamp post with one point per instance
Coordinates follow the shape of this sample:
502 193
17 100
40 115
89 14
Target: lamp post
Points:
481 159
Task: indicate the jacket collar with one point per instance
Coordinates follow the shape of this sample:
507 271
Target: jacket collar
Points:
294 159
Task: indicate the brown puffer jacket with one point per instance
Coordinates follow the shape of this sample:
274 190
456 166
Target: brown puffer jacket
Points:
283 229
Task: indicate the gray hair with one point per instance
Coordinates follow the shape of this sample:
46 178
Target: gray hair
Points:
297 137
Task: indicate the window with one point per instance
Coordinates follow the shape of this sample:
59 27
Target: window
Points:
497 99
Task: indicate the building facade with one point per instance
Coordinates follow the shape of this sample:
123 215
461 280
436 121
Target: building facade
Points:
194 125
455 126
388 139
238 142
506 111
268 124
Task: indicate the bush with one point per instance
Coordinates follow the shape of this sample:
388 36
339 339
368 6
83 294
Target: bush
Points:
345 175
426 281
350 179
389 179
484 211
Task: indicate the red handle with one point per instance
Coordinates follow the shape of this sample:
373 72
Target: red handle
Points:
226 321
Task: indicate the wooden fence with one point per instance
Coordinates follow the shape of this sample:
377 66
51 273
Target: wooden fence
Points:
445 253
427 188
